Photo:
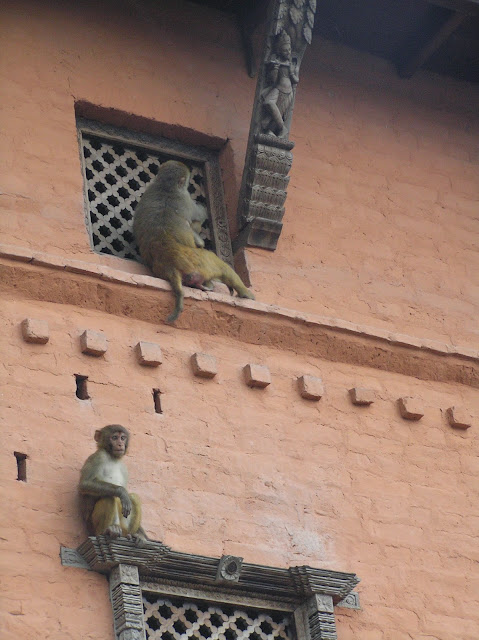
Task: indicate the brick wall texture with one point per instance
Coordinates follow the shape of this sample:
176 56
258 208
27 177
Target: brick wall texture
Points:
380 230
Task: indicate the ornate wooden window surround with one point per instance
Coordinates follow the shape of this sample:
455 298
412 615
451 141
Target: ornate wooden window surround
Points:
117 166
161 594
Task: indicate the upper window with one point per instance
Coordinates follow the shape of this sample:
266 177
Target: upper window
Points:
118 165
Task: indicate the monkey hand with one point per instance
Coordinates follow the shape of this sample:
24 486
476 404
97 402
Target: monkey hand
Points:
125 502
139 540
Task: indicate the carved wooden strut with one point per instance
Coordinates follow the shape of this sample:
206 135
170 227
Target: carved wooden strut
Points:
268 156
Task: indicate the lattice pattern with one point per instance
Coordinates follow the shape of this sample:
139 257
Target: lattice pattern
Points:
117 175
171 619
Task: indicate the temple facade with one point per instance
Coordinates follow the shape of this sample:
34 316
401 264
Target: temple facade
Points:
307 462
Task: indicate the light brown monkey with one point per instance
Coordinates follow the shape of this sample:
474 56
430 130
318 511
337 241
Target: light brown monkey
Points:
106 506
165 228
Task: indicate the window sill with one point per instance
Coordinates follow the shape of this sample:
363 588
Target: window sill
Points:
256 323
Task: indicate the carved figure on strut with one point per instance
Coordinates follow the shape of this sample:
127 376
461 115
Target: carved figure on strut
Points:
166 225
278 96
106 506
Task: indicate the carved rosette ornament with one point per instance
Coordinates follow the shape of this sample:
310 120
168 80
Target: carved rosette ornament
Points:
268 156
229 569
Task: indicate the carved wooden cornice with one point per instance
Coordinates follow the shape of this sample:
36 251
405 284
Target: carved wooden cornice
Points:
156 560
268 155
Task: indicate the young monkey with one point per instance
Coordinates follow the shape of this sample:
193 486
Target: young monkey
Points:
106 506
166 230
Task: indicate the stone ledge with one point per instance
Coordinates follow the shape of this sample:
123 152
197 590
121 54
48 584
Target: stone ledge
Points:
149 299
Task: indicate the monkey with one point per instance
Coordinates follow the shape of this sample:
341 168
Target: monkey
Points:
197 218
106 506
166 203
166 225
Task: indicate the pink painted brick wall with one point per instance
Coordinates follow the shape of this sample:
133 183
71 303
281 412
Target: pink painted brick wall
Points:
261 473
380 221
379 229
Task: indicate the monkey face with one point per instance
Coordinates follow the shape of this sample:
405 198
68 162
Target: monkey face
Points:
114 439
118 442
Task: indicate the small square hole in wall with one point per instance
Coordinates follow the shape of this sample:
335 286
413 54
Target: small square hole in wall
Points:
118 165
157 401
81 387
21 465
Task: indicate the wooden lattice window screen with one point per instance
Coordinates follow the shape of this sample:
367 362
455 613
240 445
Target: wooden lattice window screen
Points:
174 619
118 165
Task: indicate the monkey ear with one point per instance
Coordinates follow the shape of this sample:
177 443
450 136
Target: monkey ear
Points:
97 435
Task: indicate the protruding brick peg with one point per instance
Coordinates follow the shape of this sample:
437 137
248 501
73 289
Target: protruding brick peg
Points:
204 365
93 343
458 418
311 387
362 396
410 408
35 331
257 375
149 354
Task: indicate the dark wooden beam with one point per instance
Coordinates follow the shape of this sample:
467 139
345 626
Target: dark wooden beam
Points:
468 7
246 39
249 15
407 69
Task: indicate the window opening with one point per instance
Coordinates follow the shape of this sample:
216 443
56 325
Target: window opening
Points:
119 164
21 466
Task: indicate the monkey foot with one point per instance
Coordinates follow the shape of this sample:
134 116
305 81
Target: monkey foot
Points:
139 540
114 531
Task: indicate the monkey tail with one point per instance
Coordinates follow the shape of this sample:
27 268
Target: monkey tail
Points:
175 280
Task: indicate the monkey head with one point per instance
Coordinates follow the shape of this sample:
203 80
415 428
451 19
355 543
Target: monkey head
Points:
173 175
114 439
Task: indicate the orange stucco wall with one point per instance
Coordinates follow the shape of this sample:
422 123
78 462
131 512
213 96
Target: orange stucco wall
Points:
379 231
260 473
380 218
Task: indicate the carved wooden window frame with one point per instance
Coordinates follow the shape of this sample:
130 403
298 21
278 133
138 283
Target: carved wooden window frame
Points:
206 158
309 595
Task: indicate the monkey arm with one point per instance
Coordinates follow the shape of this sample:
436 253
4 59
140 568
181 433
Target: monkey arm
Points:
198 216
101 489
182 231
91 485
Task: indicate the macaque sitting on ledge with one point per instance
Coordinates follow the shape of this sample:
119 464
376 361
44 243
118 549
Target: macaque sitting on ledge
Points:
107 507
166 225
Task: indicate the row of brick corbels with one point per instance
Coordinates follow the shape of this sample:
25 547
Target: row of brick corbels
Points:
94 343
